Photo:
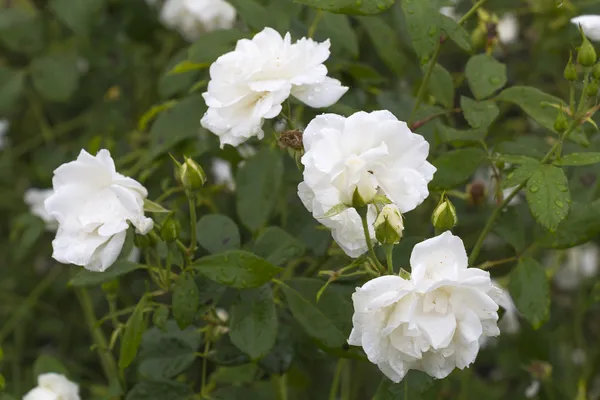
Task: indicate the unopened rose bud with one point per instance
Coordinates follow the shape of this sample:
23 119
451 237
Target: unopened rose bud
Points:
587 54
192 175
360 198
570 72
142 241
560 123
444 216
591 90
169 232
389 225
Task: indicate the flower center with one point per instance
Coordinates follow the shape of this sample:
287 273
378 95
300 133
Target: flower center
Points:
436 301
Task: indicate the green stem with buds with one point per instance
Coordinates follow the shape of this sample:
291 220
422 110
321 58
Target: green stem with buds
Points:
389 257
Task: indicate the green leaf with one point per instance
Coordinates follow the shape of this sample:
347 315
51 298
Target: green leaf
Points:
455 167
217 233
581 225
441 86
578 159
413 386
11 89
214 44
78 15
21 31
423 22
160 390
277 246
530 290
386 43
253 326
456 32
257 187
152 207
335 210
238 269
364 7
132 336
55 77
511 227
330 320
485 75
447 134
45 364
186 66
516 159
91 278
160 317
548 196
255 15
534 102
186 300
152 113
520 174
337 28
479 114
177 78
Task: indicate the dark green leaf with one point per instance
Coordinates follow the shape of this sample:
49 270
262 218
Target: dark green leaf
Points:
441 86
413 386
350 6
217 233
511 227
55 77
132 336
581 225
21 30
91 278
277 246
160 390
258 182
447 134
548 196
186 300
45 364
386 43
423 21
479 114
254 14
337 28
170 85
160 317
213 44
530 290
517 159
578 159
11 88
457 33
253 326
455 167
237 268
78 15
485 75
520 174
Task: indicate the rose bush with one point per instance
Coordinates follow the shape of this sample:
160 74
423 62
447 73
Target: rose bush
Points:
299 199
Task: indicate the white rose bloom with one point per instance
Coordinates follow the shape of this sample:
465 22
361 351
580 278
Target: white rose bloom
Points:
249 84
192 18
53 386
431 322
508 28
222 173
93 205
4 125
340 157
35 199
581 263
590 25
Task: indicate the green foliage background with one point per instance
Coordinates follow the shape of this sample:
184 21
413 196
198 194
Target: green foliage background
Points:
98 74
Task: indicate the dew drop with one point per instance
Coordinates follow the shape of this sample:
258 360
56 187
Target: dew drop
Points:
559 203
534 189
495 80
432 31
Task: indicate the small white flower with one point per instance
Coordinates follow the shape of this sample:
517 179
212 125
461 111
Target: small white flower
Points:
4 125
93 205
590 25
249 84
533 389
432 322
53 386
369 152
508 28
222 173
581 263
192 18
35 199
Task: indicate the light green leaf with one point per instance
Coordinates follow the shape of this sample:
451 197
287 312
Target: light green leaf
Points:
386 43
186 66
257 187
364 7
238 269
186 300
213 44
521 174
55 77
160 317
455 167
152 113
530 290
337 28
91 278
172 84
11 89
423 21
485 75
578 159
45 364
152 207
534 102
132 337
548 196
78 15
441 86
335 210
479 114
160 390
516 159
253 326
277 246
217 233
455 32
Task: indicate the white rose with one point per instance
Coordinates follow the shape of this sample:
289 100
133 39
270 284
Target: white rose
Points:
53 386
371 152
35 199
192 18
93 205
508 28
431 322
249 84
581 263
4 125
590 25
